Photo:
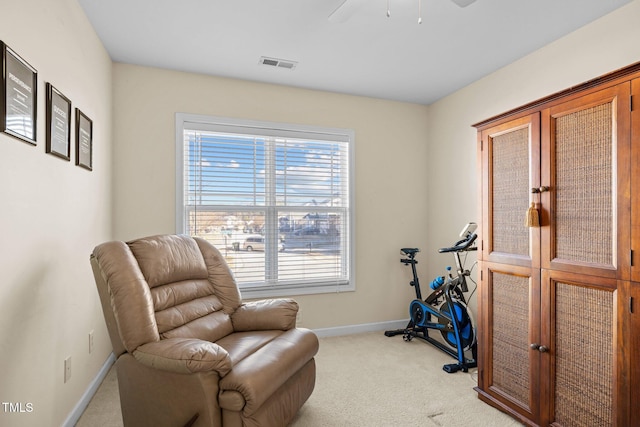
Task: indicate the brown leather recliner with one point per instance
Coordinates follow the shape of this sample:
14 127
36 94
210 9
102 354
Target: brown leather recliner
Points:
189 351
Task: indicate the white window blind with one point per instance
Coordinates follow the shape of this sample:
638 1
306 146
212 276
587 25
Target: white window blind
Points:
274 199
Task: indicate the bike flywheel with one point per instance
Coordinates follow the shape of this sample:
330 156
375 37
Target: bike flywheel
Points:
466 326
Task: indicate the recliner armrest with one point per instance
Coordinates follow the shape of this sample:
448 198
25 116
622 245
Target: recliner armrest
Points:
184 355
265 315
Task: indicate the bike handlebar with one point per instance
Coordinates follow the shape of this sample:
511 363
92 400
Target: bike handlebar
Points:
462 245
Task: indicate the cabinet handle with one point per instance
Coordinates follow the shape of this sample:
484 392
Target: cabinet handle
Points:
540 348
542 189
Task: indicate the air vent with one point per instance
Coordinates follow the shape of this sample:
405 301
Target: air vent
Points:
279 63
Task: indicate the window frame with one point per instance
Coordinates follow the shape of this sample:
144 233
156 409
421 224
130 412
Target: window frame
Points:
276 129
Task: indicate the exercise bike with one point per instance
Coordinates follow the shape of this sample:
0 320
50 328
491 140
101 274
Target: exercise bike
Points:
446 304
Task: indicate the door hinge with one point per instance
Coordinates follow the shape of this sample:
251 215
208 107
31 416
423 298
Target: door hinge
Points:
631 305
631 102
631 257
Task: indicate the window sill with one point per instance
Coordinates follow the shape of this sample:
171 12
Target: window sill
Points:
288 291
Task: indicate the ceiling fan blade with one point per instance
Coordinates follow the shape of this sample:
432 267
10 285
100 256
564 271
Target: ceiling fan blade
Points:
345 10
463 3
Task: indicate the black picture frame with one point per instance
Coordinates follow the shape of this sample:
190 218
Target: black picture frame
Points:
84 140
18 96
58 140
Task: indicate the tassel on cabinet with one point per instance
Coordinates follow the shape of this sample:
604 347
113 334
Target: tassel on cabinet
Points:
533 217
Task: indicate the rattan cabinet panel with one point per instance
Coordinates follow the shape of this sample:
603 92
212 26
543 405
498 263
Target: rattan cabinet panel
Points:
512 379
508 155
584 174
510 172
560 223
582 383
585 167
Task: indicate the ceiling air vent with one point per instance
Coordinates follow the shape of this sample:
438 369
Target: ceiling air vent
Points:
279 63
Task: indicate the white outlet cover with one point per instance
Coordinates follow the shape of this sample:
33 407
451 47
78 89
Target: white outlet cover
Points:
67 369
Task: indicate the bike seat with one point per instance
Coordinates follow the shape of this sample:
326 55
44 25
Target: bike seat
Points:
410 251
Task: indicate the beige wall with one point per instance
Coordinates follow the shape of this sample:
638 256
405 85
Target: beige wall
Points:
390 176
52 215
603 46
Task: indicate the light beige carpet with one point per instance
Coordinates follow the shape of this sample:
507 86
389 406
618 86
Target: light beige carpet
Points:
365 380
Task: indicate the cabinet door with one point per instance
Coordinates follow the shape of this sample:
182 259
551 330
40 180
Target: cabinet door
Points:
509 322
510 164
635 181
579 336
633 304
585 184
628 372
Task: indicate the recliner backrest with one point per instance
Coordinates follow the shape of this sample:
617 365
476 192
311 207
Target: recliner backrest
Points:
166 286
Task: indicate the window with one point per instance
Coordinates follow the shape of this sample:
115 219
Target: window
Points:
275 199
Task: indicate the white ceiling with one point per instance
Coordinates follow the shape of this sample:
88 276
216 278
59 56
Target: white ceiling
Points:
368 54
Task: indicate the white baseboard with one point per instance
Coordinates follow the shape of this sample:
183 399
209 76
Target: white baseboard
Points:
358 329
82 404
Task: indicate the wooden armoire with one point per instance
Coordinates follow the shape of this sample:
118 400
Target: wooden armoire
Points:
559 300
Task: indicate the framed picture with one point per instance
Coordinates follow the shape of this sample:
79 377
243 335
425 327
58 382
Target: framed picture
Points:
18 103
58 123
84 140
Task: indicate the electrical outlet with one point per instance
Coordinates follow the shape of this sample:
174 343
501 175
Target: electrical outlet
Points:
67 369
90 341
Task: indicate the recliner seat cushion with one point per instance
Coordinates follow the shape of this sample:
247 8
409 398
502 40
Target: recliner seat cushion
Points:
239 345
257 376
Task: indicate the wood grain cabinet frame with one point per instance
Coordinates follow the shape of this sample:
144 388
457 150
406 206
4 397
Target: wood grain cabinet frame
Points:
558 328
